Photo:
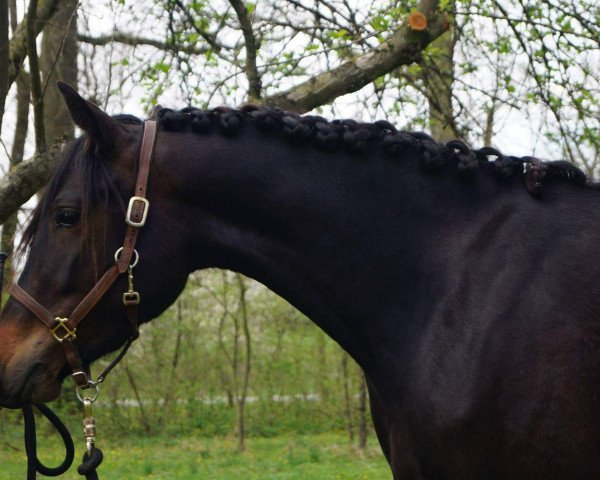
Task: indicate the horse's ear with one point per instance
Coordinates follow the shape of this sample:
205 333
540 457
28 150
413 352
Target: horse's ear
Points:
104 131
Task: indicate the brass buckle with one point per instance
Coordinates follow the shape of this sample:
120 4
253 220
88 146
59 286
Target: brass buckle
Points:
68 333
128 218
131 298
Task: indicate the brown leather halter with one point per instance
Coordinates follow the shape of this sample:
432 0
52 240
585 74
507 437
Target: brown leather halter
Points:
126 258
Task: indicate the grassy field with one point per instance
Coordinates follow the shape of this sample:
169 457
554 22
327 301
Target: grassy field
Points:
308 457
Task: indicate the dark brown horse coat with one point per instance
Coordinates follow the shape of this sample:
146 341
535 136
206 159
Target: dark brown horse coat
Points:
471 305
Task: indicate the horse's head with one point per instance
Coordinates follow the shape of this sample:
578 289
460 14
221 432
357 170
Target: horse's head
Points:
72 238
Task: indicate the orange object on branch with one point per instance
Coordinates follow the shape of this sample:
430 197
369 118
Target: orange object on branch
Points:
417 21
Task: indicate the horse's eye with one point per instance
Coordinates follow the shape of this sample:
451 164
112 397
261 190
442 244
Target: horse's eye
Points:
67 217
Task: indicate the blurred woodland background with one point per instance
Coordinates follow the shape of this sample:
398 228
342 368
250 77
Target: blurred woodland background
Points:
230 358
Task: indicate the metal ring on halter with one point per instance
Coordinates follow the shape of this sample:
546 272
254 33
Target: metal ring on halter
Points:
90 386
135 253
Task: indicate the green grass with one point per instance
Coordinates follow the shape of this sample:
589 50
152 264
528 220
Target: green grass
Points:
289 457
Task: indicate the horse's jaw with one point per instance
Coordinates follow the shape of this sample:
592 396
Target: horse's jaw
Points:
35 386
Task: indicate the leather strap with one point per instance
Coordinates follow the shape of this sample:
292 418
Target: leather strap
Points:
79 374
93 297
64 330
71 352
32 305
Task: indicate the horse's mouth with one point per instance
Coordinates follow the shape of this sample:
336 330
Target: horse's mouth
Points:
8 403
39 386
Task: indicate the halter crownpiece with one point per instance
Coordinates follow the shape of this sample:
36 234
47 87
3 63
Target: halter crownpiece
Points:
64 330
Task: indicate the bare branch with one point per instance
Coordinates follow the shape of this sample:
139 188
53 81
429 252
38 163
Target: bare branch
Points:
402 48
25 179
206 36
35 79
17 47
127 39
254 82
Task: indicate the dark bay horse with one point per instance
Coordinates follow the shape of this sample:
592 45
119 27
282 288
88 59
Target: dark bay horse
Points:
468 290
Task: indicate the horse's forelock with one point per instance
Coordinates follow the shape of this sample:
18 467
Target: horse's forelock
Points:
57 180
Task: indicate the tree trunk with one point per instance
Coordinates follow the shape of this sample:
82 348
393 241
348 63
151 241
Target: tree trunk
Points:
58 61
362 411
322 372
23 182
138 397
170 384
17 47
9 228
251 47
438 75
242 393
347 399
240 426
3 56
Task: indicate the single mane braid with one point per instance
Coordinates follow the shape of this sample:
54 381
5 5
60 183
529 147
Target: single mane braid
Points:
356 137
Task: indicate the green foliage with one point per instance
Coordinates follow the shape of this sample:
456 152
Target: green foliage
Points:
379 22
545 48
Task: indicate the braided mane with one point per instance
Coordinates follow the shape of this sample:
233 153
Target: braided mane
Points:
357 137
327 135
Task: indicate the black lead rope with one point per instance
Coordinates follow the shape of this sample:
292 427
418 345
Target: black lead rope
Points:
33 463
89 465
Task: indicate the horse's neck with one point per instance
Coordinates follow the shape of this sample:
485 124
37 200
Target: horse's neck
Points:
341 237
327 231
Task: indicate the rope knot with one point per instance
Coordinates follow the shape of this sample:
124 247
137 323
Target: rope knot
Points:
90 464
